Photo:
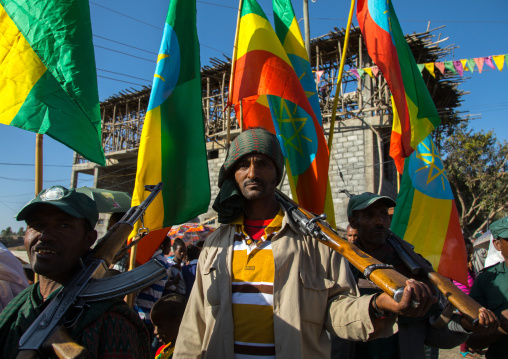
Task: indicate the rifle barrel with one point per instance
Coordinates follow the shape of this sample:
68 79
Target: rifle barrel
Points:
389 280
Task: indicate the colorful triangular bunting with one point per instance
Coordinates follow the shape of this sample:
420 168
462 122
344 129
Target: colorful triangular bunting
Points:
479 62
375 70
499 60
464 64
458 67
318 75
369 71
430 68
488 62
355 72
471 64
449 65
440 66
420 67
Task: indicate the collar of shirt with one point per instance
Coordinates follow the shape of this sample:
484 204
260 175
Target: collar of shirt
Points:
270 230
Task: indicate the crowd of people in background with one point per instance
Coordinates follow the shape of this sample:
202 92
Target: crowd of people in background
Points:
258 287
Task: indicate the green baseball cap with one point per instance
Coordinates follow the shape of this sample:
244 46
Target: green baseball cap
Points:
75 204
499 228
364 200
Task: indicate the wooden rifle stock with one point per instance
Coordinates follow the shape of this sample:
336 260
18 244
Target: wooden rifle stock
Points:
464 303
389 280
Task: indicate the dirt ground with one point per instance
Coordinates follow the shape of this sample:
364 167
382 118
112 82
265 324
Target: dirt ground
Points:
451 353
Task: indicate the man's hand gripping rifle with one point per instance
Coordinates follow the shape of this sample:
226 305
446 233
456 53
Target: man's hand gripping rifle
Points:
417 265
47 332
384 276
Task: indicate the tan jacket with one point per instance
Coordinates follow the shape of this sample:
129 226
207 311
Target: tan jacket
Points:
313 289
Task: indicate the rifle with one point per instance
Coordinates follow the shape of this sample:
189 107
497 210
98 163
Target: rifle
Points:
417 265
384 276
47 332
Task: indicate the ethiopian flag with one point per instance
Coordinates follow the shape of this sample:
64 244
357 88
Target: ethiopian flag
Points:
288 32
426 215
48 81
172 147
414 112
273 97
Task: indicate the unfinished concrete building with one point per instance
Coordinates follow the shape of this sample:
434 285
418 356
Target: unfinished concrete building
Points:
359 156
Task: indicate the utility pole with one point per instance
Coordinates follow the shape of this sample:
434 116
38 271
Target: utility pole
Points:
307 26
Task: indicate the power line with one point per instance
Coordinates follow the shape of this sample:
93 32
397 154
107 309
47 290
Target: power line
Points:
156 27
119 73
126 82
218 5
124 53
121 43
127 16
31 165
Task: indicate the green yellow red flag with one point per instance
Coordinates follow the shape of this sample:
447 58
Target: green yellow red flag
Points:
426 215
48 81
415 115
273 97
290 36
172 148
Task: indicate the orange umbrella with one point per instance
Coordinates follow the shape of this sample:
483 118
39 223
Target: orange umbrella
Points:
190 232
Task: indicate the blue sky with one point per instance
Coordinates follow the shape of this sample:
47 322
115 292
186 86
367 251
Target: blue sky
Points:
479 29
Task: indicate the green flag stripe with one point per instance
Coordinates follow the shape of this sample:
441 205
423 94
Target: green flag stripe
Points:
186 192
404 198
46 110
252 7
414 85
55 28
283 17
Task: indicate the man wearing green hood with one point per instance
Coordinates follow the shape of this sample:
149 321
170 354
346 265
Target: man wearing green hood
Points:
490 289
263 288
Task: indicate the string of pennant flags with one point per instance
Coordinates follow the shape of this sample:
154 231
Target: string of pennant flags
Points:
458 67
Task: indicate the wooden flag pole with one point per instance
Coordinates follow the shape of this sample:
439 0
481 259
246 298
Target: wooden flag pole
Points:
339 79
38 173
306 25
241 116
230 87
38 163
129 298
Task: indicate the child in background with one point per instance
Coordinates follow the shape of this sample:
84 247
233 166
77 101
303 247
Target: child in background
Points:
166 316
175 283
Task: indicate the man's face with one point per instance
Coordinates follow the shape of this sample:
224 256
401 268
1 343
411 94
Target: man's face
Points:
372 224
166 248
180 253
167 330
501 244
256 176
352 234
55 241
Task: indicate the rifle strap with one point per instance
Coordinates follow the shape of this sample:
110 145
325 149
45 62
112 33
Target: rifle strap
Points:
371 268
444 318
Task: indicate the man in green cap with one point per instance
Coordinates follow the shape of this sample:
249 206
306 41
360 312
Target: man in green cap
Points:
262 288
368 214
490 289
60 231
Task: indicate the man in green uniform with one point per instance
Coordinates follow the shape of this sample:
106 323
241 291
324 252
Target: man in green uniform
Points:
490 289
368 213
59 234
